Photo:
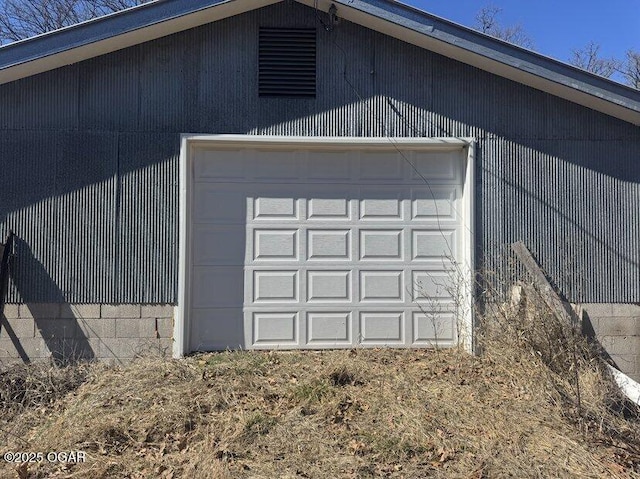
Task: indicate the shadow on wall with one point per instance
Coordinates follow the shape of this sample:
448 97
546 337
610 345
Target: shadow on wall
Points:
46 330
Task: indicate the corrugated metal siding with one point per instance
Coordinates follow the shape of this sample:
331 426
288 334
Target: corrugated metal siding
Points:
146 244
89 155
109 99
84 215
41 102
57 194
579 215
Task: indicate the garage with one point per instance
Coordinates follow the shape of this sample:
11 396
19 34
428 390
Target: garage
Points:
324 243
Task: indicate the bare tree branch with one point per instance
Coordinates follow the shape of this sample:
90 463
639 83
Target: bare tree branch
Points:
630 69
588 58
26 18
487 22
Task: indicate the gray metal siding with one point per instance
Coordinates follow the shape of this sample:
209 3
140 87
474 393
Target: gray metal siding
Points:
41 102
109 99
89 155
57 192
578 215
147 227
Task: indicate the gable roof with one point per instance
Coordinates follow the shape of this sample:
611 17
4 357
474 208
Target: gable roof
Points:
164 17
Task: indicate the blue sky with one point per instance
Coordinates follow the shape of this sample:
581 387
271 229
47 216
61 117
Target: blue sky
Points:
555 26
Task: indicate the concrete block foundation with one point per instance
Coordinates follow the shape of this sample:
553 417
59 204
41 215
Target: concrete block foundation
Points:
616 327
121 332
110 332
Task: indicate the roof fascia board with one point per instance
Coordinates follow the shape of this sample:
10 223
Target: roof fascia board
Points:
490 54
113 32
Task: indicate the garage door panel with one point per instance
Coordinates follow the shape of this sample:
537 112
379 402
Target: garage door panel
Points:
433 327
275 208
214 203
217 329
381 244
329 286
433 286
275 165
218 245
274 328
330 328
219 165
330 165
328 245
433 245
218 286
329 207
381 166
436 166
381 205
434 204
276 286
381 286
275 244
383 328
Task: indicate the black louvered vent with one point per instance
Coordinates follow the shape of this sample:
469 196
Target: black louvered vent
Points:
287 63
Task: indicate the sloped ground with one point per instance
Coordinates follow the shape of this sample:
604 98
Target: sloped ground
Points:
343 414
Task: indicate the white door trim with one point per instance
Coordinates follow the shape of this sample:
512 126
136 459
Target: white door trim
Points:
182 325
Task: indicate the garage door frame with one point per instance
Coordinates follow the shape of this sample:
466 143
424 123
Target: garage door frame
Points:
189 143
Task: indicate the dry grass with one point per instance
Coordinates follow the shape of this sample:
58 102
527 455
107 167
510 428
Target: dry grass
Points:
30 386
511 412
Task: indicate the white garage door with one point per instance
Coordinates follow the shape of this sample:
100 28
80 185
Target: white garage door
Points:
323 247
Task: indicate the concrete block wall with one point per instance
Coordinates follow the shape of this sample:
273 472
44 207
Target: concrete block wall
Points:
617 328
113 332
122 332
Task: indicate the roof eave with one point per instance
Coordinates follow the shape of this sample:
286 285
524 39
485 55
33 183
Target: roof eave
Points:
114 32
